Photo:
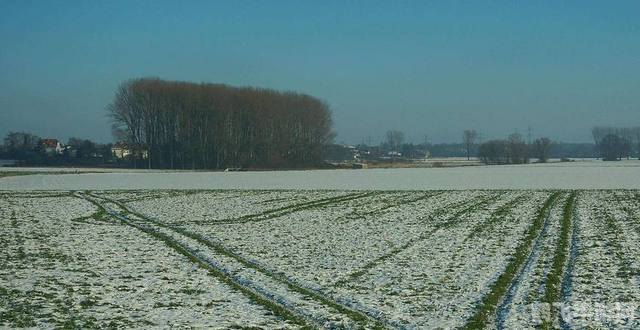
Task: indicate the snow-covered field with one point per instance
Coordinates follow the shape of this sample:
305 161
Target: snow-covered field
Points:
320 258
590 174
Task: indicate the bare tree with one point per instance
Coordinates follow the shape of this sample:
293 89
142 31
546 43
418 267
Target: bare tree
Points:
599 132
395 139
180 124
517 149
469 138
612 147
541 149
20 142
493 152
616 142
22 146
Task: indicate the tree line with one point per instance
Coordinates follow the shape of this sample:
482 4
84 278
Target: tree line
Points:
616 143
512 150
210 126
611 143
29 149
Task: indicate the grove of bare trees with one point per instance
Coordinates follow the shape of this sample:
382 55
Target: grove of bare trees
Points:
517 149
18 143
24 148
615 143
494 152
395 139
209 126
513 150
469 138
542 149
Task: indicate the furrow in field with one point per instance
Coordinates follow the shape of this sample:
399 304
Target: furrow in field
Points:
35 195
283 211
627 206
409 279
139 196
485 314
625 212
605 271
541 278
204 258
479 226
553 284
315 248
498 215
143 195
422 286
227 206
624 240
57 273
501 221
312 247
462 208
529 284
575 243
274 288
401 201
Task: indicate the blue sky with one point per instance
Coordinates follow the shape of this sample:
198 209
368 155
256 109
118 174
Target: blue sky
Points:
425 67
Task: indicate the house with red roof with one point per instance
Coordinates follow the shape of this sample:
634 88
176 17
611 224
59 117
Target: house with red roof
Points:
52 146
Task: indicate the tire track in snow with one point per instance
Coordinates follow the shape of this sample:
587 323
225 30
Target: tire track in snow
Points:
625 222
223 275
553 284
500 291
496 216
618 228
291 298
537 255
407 199
606 264
567 282
451 220
289 209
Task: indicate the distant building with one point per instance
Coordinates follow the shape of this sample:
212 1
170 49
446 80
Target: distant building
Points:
52 147
394 154
122 150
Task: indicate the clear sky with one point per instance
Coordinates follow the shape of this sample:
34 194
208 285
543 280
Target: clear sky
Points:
425 67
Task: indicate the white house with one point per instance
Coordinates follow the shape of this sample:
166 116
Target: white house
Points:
121 150
52 147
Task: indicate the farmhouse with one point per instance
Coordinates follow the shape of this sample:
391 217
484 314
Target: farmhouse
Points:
52 147
122 150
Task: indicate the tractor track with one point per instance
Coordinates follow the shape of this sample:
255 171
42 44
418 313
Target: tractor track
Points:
283 296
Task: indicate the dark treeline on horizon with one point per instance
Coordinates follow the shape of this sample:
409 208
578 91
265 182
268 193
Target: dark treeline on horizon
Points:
212 126
438 150
183 125
615 143
557 150
610 144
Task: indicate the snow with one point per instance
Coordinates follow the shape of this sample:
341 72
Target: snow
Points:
405 259
412 250
572 175
606 267
71 269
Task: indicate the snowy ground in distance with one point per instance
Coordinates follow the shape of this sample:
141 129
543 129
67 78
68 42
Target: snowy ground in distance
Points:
78 169
575 175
